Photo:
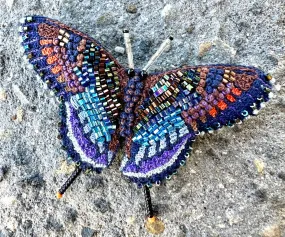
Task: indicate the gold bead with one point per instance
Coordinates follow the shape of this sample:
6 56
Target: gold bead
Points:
226 76
154 226
269 77
58 195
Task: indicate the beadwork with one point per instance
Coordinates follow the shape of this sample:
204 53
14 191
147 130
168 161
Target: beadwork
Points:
154 118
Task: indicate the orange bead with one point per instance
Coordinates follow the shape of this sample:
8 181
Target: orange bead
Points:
230 98
236 91
58 195
45 42
47 51
213 112
56 69
194 125
52 59
222 105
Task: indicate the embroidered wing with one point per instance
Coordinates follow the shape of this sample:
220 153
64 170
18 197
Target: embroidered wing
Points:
86 78
177 105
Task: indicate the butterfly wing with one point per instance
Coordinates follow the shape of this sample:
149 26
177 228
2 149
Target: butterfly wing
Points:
87 80
177 105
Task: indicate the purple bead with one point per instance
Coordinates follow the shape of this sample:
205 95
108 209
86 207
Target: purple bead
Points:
65 57
204 103
81 88
208 107
130 92
56 49
202 112
66 74
60 62
63 50
70 84
210 98
196 107
127 98
73 77
195 115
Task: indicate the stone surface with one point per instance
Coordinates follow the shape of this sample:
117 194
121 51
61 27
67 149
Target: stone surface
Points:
218 193
271 231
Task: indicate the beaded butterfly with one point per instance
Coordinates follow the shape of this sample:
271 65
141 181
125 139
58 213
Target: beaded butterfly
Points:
153 117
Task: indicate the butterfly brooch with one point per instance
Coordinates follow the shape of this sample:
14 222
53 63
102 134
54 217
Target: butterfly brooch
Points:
153 118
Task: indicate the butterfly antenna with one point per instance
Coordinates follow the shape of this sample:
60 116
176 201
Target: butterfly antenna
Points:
129 49
165 44
153 224
68 182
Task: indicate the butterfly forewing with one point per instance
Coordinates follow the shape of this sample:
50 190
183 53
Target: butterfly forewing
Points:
86 78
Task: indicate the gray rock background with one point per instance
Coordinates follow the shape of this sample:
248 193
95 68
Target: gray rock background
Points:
234 182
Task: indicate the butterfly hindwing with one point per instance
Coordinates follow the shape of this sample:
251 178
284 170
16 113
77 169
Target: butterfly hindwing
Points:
177 105
86 78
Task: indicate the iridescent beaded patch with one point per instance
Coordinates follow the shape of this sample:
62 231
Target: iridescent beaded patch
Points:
154 118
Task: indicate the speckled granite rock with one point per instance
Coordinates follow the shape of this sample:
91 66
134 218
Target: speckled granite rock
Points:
220 191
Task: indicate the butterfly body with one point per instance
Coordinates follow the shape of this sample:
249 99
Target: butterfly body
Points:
155 118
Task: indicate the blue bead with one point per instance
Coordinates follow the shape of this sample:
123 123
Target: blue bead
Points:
220 71
209 89
77 39
219 77
71 37
216 83
69 45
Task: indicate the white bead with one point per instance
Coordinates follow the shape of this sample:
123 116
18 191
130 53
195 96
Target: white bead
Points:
202 133
255 112
270 95
262 105
30 66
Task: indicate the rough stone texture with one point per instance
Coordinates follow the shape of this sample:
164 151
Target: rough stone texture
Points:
219 192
